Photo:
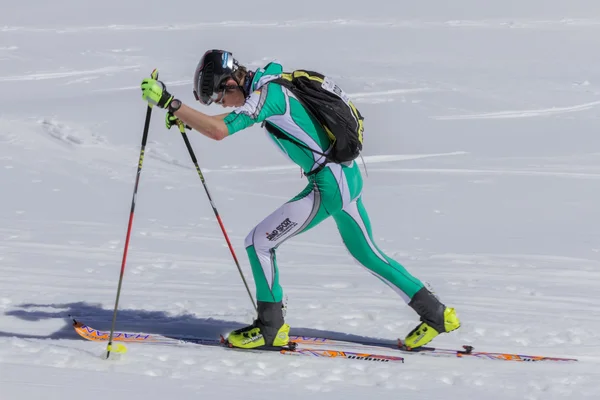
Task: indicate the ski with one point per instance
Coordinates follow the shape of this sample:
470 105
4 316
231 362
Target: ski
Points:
467 352
314 347
295 349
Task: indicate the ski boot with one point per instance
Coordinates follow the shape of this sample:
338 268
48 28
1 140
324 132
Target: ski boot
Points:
268 330
436 318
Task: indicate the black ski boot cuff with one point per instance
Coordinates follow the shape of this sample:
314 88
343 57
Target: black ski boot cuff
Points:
270 320
429 308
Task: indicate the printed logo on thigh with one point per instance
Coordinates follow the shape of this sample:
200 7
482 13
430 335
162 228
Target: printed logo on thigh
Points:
281 229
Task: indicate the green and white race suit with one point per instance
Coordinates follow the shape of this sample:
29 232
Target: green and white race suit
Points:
334 190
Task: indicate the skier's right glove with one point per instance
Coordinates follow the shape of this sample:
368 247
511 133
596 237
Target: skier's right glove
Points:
155 92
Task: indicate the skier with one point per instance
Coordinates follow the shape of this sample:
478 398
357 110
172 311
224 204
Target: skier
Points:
334 189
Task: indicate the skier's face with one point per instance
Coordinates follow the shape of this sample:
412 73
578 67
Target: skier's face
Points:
232 97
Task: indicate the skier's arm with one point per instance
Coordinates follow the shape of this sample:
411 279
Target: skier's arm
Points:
222 116
155 93
256 109
208 125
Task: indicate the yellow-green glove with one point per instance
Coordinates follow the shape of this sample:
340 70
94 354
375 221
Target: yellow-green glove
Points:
155 93
171 120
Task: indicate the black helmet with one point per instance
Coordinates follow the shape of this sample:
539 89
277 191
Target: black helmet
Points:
214 68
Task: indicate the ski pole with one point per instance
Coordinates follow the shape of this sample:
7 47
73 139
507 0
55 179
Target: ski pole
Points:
109 348
182 127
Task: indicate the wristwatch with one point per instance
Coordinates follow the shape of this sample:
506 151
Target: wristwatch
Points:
174 105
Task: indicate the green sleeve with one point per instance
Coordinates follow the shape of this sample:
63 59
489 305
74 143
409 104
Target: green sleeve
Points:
260 105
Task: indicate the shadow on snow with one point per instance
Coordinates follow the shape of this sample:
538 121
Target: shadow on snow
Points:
142 321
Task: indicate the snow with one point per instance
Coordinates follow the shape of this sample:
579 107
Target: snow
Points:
483 164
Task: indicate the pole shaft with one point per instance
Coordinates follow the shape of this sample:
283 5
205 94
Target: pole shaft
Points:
129 225
195 161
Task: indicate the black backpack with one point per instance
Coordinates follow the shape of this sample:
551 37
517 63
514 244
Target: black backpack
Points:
329 105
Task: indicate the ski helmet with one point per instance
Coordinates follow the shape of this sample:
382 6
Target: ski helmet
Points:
212 71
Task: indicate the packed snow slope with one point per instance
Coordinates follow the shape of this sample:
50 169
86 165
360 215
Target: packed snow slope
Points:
483 160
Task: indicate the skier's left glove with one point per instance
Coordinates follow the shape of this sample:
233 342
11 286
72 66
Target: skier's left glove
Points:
155 93
171 120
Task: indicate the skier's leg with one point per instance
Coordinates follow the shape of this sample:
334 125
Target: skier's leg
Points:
355 229
292 218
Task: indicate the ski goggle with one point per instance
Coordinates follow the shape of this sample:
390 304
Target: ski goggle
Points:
217 96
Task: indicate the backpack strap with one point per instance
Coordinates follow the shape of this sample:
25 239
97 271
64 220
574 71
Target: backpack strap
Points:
285 80
279 134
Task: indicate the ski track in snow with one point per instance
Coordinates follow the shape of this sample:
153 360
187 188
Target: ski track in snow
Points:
522 113
62 142
67 74
368 159
504 172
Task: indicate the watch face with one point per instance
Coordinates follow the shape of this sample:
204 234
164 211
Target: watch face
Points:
175 104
